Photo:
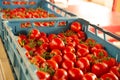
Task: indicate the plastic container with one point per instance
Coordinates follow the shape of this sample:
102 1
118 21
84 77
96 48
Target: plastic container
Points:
49 7
23 68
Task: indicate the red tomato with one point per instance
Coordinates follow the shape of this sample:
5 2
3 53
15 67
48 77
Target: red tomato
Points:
115 70
32 3
60 74
76 26
22 39
81 35
82 52
96 46
100 68
67 64
6 2
68 49
43 75
53 64
75 74
56 43
57 58
110 61
69 56
89 76
90 42
83 63
52 36
79 46
100 53
34 34
56 52
109 76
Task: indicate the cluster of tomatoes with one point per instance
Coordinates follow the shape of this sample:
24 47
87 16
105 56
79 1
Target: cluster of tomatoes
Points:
5 2
69 55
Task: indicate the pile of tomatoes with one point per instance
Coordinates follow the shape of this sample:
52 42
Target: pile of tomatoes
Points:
69 55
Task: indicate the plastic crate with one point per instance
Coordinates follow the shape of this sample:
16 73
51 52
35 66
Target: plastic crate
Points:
23 68
51 8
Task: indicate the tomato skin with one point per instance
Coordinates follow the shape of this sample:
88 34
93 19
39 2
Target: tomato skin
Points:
89 76
58 59
75 74
68 49
100 53
43 75
110 61
56 52
56 43
115 70
82 52
109 76
100 68
67 64
76 26
60 74
81 35
83 63
34 34
53 64
69 56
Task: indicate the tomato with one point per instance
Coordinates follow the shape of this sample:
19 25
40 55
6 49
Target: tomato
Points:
82 52
56 52
90 42
75 74
69 56
67 64
43 75
56 43
89 76
68 49
96 46
6 2
83 63
81 35
110 61
60 74
32 2
109 76
57 58
100 53
52 36
100 68
76 26
22 39
53 64
34 34
80 45
115 70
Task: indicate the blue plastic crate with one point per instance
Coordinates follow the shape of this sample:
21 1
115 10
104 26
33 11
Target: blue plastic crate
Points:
20 62
51 8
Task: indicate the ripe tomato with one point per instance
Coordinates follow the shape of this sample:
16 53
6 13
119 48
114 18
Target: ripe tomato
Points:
60 74
68 49
43 75
76 26
56 52
75 74
6 2
22 39
69 56
81 35
57 58
89 76
100 53
83 63
82 52
52 36
109 76
56 43
100 68
110 61
90 42
115 70
34 34
67 64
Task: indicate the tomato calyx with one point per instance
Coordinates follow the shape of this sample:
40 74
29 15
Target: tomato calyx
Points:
47 55
47 69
